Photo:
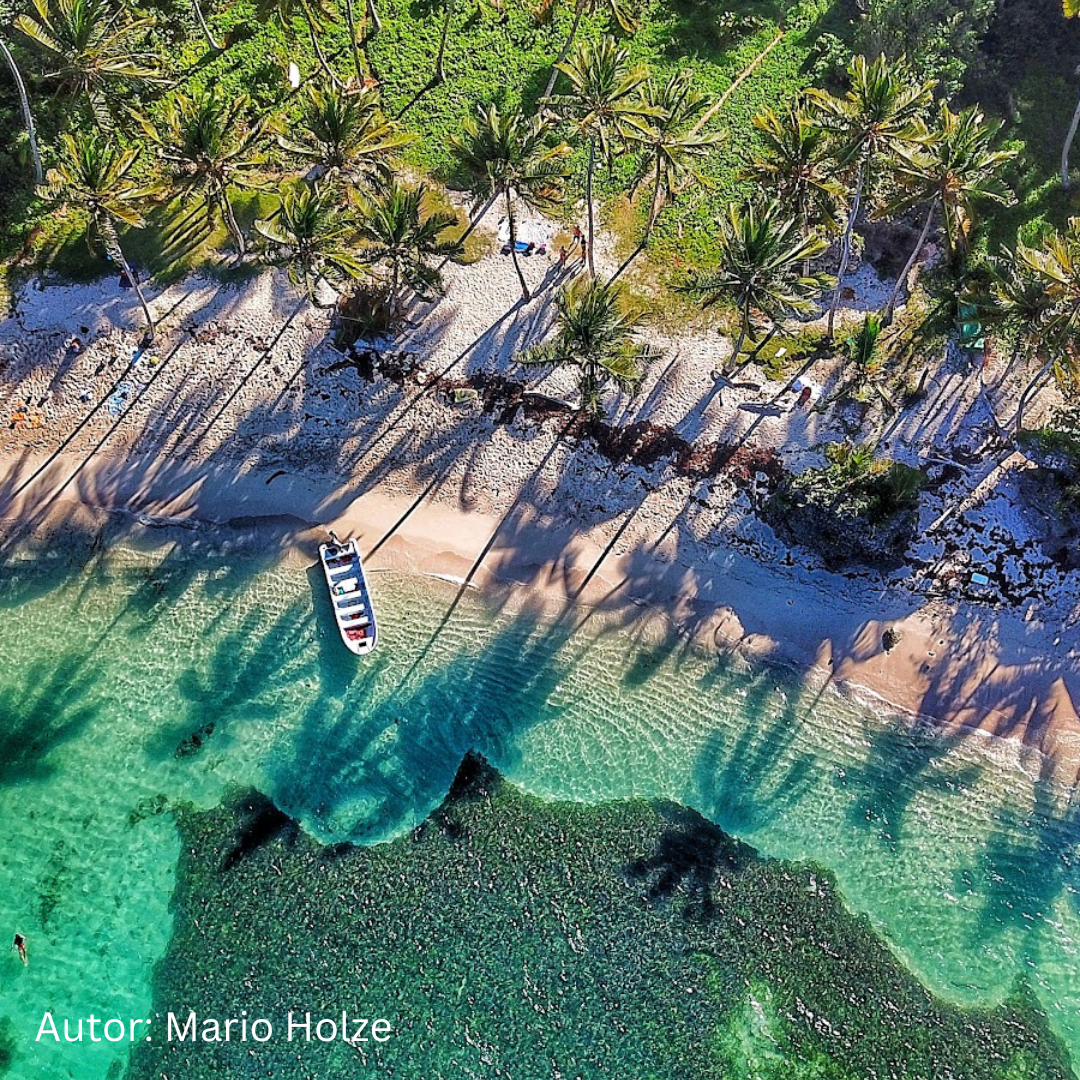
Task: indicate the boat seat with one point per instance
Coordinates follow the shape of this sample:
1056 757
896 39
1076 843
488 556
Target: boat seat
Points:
357 620
347 585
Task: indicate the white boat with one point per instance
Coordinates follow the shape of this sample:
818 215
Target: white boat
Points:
349 594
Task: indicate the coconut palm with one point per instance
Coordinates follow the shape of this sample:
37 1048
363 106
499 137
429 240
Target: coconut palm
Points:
96 177
671 145
604 106
880 114
24 100
347 131
761 253
595 332
952 173
398 235
545 12
506 157
208 147
795 163
1055 266
313 236
94 46
315 13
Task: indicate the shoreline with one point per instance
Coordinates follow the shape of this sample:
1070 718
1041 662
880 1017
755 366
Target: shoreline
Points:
950 666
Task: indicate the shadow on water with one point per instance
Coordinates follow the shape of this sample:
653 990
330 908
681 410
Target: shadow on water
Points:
382 760
746 781
694 856
1030 860
237 683
49 708
902 763
261 823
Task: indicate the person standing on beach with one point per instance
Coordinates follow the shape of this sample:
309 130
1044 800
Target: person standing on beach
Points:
562 257
19 943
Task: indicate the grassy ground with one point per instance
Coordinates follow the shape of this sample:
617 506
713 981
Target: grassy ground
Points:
1027 79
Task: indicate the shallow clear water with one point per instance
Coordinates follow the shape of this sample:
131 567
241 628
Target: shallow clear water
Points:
112 669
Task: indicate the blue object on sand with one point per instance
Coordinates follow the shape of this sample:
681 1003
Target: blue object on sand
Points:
120 398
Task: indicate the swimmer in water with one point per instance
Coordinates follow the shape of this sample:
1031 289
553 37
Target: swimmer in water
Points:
19 942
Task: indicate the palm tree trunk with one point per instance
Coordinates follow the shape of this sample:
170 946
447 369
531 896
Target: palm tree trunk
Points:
395 285
100 112
580 10
350 22
323 62
744 329
910 263
373 14
845 250
112 244
234 227
513 245
28 118
1068 146
440 75
589 200
211 40
1030 389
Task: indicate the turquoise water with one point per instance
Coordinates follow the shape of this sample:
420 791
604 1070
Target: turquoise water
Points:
131 681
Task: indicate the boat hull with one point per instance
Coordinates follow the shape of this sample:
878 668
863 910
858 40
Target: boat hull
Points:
350 597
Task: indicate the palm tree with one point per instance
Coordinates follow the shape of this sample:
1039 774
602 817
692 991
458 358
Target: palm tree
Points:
546 10
1055 266
93 175
671 145
604 107
761 253
1072 9
398 234
315 14
796 164
24 100
506 156
951 173
208 147
313 236
347 131
880 114
595 333
94 45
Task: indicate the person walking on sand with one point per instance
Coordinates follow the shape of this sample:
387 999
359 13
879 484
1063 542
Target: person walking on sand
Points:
562 258
19 943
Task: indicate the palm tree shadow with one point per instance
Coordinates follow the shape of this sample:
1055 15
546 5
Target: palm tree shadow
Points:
370 771
902 763
692 857
49 709
747 784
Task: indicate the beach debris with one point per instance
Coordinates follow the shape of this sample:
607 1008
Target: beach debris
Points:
890 638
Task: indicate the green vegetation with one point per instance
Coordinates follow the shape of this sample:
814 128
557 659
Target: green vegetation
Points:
859 507
632 940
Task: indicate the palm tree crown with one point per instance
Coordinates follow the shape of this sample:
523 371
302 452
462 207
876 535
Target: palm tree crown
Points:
796 163
603 105
94 45
95 176
955 169
397 233
348 131
671 145
311 235
208 146
506 156
880 114
595 332
761 253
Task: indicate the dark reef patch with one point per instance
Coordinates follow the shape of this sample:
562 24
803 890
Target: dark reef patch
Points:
517 938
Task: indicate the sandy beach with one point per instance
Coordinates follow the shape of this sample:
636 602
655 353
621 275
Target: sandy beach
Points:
242 410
